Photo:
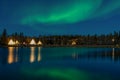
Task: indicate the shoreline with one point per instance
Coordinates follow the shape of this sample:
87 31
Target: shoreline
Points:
92 46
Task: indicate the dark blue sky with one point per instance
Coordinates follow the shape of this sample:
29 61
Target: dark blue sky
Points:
101 20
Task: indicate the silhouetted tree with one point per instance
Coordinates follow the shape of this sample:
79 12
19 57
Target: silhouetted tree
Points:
4 37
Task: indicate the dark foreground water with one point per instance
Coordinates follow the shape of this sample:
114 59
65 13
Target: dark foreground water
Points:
59 63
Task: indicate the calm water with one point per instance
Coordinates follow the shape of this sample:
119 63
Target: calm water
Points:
61 63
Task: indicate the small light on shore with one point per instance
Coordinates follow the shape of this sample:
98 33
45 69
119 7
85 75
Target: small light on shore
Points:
39 43
16 42
113 40
73 43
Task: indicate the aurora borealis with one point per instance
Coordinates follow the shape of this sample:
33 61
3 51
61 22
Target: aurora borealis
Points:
61 74
59 16
74 11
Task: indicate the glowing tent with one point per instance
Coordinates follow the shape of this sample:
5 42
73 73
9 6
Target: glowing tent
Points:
16 42
74 43
11 42
39 43
32 42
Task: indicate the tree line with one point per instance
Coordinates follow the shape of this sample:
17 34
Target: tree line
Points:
63 40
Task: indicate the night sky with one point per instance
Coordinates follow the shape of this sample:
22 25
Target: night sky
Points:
58 17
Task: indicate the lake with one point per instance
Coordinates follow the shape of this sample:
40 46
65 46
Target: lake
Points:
59 63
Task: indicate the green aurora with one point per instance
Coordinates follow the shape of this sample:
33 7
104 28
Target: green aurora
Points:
68 11
61 74
60 17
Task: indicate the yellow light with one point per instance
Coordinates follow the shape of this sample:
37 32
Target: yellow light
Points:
32 42
32 55
39 55
11 42
16 42
10 55
39 43
73 43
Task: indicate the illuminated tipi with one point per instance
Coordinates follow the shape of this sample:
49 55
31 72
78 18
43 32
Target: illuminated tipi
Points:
16 42
73 42
11 42
32 42
39 43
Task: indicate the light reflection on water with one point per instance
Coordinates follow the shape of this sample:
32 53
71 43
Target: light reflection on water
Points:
35 54
113 53
32 54
62 63
11 55
14 57
39 55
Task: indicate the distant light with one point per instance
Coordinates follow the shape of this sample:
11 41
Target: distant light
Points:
16 42
39 43
11 42
24 43
32 42
73 43
113 39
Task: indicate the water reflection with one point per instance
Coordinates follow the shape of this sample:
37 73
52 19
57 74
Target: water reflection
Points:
75 55
113 53
32 54
11 55
39 54
108 54
14 55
